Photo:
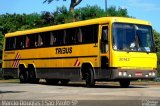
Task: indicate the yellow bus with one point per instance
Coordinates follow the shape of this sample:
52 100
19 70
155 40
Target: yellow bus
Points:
102 49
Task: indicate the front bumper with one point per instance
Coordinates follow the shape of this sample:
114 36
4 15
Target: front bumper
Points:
133 74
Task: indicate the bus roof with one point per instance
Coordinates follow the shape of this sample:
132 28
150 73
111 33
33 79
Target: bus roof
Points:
102 20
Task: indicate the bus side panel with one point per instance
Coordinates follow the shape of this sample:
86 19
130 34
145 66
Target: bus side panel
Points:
10 72
59 73
102 74
53 64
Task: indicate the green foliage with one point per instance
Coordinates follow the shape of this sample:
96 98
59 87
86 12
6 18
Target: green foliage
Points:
73 4
157 44
62 15
14 22
89 12
1 45
112 11
31 21
158 63
157 39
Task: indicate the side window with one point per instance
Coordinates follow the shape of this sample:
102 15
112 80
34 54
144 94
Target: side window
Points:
90 34
71 36
40 40
79 35
27 45
13 43
30 41
47 38
67 36
64 36
60 34
104 39
20 42
10 43
7 42
95 33
53 38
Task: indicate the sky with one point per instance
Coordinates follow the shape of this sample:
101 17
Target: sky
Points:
141 9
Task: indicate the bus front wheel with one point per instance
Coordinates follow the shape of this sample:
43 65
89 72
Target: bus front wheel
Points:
52 81
64 82
90 82
124 83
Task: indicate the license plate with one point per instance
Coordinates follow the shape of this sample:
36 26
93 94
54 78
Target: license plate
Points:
138 74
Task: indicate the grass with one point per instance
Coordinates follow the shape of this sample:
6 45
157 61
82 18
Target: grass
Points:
9 81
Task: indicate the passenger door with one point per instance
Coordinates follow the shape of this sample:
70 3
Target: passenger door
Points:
104 47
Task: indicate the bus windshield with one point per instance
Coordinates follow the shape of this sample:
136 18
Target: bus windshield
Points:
132 37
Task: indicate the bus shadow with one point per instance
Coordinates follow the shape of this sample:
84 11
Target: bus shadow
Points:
117 86
105 86
96 86
4 92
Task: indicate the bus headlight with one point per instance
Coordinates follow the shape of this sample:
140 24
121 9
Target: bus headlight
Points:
129 75
124 73
120 73
146 75
153 74
150 73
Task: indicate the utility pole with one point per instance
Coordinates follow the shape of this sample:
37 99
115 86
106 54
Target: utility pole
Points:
106 6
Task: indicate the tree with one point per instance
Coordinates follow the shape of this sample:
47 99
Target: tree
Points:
157 44
73 4
112 11
89 12
157 39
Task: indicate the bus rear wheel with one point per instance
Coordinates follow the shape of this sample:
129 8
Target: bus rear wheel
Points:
23 76
124 83
89 76
32 77
32 74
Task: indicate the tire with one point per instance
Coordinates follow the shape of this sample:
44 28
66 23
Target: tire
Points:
89 77
32 77
124 83
23 76
52 81
64 82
